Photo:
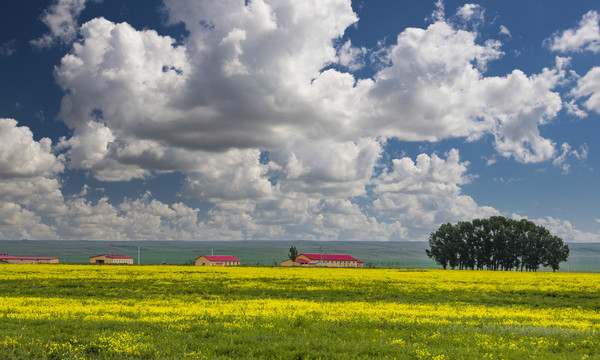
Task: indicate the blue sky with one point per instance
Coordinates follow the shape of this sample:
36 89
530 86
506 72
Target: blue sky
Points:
285 119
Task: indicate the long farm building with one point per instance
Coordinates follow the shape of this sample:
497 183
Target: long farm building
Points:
329 260
8 259
217 260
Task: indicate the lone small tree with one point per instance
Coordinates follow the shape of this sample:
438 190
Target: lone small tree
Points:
293 254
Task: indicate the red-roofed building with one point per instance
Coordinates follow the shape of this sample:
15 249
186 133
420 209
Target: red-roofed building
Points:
331 260
111 259
217 260
8 259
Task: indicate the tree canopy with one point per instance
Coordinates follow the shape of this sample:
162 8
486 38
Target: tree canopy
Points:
293 254
496 243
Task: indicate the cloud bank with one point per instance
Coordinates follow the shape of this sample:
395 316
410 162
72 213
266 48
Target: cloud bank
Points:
260 109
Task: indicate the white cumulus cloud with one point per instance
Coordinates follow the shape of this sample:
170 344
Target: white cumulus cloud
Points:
426 192
29 188
471 13
585 37
277 146
22 156
588 88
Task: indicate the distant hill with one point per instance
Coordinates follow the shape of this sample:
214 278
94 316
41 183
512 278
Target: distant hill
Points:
403 254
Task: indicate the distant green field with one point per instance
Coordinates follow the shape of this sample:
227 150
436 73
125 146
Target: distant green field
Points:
405 255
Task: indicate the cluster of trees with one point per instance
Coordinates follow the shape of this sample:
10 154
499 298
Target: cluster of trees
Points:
496 243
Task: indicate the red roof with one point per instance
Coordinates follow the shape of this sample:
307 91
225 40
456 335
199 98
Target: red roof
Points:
115 256
8 257
331 257
221 258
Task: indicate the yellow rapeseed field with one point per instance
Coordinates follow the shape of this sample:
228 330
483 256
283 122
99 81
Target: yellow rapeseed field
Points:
101 312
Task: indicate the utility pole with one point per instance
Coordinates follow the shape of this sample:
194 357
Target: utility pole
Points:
138 254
